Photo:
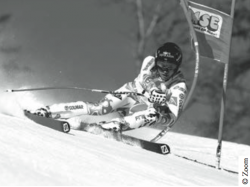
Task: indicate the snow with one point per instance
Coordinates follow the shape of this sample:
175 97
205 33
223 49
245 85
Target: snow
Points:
31 154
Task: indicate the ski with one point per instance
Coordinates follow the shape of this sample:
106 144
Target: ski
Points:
93 128
58 125
96 129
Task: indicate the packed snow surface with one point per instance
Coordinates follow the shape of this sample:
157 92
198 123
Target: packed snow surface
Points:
31 154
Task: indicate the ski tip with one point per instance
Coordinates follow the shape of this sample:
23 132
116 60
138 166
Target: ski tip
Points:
165 149
66 127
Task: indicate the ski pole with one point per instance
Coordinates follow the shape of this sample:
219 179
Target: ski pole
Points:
160 135
75 88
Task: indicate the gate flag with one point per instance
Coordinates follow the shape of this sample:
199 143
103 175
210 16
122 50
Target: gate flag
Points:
213 30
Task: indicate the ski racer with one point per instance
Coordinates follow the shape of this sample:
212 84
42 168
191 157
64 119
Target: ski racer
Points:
160 80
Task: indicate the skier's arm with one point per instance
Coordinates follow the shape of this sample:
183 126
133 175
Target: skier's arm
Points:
175 104
145 76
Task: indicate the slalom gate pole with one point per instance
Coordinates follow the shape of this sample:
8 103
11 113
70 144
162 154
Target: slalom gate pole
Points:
187 12
223 99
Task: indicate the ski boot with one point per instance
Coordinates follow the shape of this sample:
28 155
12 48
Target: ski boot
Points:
43 112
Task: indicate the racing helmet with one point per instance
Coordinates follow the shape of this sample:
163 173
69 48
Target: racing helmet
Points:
169 52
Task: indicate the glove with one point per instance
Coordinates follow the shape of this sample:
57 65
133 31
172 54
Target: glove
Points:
157 97
144 118
152 115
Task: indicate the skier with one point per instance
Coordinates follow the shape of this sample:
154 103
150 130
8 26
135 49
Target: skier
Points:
160 80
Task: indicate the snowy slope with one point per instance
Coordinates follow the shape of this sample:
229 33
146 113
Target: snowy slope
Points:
31 154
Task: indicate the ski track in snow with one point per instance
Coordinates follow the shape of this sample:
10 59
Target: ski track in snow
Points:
31 154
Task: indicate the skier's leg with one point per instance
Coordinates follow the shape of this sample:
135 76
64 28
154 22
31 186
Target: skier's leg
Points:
138 119
110 103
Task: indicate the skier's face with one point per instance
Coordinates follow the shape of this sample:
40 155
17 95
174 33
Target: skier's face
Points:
166 69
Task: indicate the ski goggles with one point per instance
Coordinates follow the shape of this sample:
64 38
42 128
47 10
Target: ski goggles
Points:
166 68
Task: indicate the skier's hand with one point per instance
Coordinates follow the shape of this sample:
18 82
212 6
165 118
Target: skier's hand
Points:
157 96
151 115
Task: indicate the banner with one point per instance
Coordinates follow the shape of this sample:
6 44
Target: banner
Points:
213 30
